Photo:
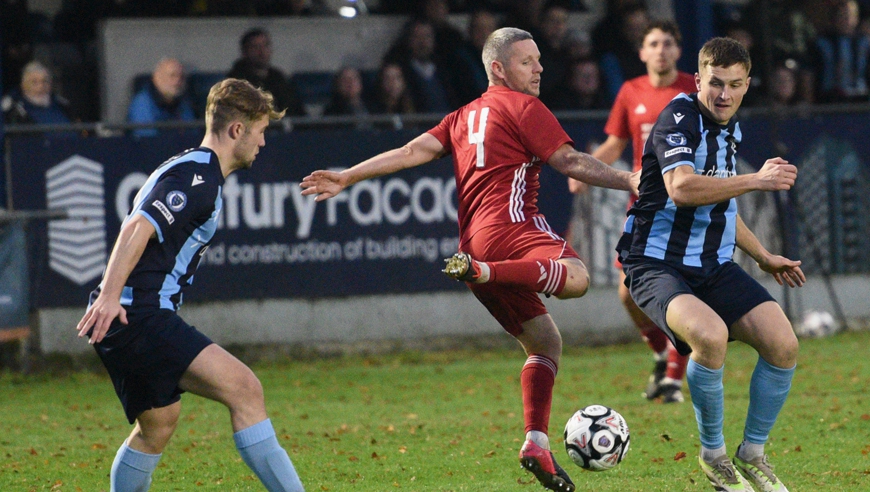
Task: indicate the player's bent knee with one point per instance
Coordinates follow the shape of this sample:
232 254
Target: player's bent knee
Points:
711 339
577 283
785 351
161 435
249 388
237 387
152 435
573 292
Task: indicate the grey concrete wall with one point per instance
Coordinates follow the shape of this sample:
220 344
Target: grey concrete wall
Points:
400 320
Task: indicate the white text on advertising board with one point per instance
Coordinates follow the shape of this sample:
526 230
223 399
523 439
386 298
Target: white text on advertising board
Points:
393 201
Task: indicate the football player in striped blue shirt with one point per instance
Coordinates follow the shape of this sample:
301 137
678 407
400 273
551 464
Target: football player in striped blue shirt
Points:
677 250
151 354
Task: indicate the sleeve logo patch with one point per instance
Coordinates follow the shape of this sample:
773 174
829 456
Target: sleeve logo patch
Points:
678 150
163 210
676 139
176 200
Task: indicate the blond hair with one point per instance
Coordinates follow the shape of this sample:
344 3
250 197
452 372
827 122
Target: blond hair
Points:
235 99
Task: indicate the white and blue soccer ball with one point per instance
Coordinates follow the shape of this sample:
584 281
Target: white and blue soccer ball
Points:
817 324
597 438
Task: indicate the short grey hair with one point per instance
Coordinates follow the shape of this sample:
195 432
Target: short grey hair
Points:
498 46
35 66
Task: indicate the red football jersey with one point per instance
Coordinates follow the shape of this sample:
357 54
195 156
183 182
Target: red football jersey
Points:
498 142
637 107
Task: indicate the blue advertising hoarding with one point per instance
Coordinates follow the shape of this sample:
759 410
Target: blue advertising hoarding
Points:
381 236
387 235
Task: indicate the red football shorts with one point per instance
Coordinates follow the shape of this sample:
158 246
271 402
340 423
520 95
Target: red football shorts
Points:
532 239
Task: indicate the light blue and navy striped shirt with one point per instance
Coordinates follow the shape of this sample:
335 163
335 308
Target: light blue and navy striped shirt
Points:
702 236
182 199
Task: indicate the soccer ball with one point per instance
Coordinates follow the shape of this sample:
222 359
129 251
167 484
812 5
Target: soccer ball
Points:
817 324
596 438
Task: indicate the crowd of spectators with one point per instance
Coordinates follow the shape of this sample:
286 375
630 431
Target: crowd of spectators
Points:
804 51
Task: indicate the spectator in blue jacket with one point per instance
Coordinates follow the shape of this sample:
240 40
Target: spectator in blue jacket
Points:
844 56
35 102
162 99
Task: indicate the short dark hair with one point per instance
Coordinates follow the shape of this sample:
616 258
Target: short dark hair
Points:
666 26
251 34
723 52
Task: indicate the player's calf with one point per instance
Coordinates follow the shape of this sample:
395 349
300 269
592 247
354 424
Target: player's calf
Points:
260 450
131 470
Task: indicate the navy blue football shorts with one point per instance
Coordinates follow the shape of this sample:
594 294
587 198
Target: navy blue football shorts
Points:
727 289
147 357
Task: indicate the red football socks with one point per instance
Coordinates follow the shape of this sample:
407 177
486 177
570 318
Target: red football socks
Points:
545 276
655 338
537 379
676 364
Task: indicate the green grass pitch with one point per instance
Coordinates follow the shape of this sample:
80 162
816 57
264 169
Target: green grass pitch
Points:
442 421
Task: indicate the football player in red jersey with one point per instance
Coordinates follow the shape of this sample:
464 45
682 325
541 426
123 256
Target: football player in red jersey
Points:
508 253
638 104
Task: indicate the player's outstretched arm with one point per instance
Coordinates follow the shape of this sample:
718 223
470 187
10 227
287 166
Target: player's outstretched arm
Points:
784 271
608 153
327 184
688 189
128 249
583 167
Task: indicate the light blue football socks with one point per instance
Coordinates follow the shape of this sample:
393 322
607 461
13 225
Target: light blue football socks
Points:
768 390
260 450
131 470
708 399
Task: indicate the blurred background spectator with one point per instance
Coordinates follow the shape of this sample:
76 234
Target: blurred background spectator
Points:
391 95
616 40
428 78
580 89
844 52
35 101
783 86
788 30
447 37
470 78
255 66
578 44
774 32
347 95
550 38
163 98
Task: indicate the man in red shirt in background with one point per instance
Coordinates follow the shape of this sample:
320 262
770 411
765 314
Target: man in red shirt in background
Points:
637 106
508 253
